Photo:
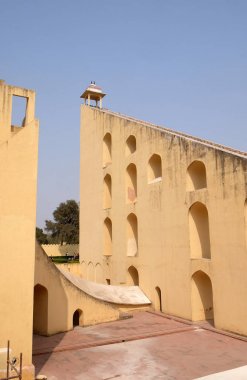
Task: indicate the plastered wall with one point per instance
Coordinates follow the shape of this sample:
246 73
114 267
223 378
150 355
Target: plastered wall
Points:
18 178
74 268
190 231
57 300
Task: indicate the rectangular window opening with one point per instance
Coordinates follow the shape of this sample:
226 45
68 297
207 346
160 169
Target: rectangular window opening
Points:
19 106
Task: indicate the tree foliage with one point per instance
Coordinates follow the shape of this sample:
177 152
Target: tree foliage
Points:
41 236
65 227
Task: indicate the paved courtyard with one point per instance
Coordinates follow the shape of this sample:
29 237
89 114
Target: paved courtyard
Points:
147 346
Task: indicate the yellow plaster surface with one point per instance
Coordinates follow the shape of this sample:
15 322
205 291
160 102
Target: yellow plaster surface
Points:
186 200
60 250
18 168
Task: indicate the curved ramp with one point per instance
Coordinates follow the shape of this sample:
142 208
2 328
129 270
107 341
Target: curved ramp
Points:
124 295
68 293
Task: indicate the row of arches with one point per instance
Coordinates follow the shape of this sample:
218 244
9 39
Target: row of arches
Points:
154 173
201 294
196 177
131 236
131 187
198 232
201 301
92 272
130 148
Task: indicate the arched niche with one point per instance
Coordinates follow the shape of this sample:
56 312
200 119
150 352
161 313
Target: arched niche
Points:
202 297
157 299
196 176
83 269
107 243
154 168
40 310
132 276
107 150
90 271
99 277
199 231
130 145
107 192
132 235
131 183
78 318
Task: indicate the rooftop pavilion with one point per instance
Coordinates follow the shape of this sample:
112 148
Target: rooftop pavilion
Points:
95 93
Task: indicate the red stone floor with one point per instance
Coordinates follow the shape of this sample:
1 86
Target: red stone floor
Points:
147 346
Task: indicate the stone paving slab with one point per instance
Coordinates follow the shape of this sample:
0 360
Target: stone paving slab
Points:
179 351
233 374
141 325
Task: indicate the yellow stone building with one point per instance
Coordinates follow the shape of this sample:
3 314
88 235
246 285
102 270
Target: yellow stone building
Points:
158 208
35 295
165 211
18 180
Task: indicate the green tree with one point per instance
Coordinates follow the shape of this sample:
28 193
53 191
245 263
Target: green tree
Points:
41 236
65 227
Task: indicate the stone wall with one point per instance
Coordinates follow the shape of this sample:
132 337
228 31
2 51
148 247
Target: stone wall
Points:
60 250
18 183
165 211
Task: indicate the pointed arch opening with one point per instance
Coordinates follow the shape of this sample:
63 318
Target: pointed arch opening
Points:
132 276
132 235
107 192
158 300
154 168
199 231
40 310
90 271
78 318
107 245
130 145
196 176
131 183
202 297
99 274
107 150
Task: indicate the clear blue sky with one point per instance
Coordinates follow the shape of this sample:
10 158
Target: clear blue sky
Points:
187 59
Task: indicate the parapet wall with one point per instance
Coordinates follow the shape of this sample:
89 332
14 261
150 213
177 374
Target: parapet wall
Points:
74 268
60 250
